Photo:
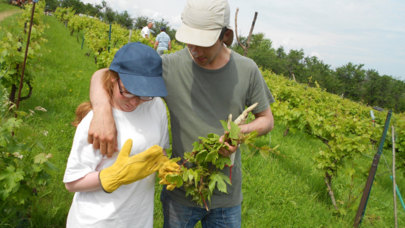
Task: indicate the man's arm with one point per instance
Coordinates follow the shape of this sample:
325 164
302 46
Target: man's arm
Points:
263 123
156 44
102 131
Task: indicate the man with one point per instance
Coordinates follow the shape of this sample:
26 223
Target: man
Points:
162 41
205 82
145 32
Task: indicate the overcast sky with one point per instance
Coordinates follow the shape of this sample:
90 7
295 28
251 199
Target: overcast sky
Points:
369 32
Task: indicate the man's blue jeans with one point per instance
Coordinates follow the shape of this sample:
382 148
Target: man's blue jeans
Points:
177 215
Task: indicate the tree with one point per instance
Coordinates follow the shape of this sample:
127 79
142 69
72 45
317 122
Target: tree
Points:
351 77
280 65
91 10
109 15
260 50
295 64
141 22
125 20
158 24
320 73
51 5
77 5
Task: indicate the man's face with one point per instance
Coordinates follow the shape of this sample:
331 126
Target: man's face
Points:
150 25
205 56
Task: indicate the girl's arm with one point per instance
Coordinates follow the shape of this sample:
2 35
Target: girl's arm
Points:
88 183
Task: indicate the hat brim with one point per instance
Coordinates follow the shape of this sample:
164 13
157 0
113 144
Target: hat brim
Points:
202 38
144 86
198 37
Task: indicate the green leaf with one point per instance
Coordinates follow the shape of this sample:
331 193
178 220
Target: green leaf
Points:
201 156
212 156
224 125
222 161
10 181
219 179
40 158
234 131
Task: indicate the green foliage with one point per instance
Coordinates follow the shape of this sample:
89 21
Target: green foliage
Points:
344 126
64 14
97 38
398 121
51 5
349 80
61 85
201 170
103 11
158 24
141 22
285 187
12 51
4 6
24 175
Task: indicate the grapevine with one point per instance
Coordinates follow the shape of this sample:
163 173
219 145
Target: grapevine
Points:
12 52
344 126
201 170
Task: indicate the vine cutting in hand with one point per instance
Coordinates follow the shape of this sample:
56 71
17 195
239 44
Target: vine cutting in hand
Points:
201 168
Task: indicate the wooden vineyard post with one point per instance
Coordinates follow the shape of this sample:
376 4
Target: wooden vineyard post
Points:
245 48
26 54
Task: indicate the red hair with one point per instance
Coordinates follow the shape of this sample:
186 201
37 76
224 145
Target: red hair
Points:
108 79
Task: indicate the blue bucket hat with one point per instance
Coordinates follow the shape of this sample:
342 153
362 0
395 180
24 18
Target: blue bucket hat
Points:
140 70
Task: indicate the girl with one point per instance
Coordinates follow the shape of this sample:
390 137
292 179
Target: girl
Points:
134 83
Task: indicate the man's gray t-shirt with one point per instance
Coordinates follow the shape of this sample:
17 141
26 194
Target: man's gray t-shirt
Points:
199 98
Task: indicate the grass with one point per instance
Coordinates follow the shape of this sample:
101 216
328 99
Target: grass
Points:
4 6
282 190
8 23
59 87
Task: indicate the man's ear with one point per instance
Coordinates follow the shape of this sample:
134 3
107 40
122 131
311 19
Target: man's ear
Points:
228 37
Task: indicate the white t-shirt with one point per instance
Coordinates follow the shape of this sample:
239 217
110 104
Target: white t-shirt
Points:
130 205
145 31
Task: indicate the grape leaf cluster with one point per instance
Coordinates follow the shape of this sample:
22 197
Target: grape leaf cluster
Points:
201 168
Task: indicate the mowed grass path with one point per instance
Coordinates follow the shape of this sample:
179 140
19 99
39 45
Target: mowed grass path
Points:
282 190
61 85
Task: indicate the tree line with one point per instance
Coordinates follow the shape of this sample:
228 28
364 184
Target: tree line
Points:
351 81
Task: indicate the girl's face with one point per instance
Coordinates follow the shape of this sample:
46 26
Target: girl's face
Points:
120 101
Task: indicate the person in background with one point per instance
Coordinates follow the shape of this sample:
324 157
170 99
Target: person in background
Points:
162 42
145 32
106 194
206 81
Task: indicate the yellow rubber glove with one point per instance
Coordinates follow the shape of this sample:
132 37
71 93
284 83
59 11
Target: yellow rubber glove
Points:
126 170
168 167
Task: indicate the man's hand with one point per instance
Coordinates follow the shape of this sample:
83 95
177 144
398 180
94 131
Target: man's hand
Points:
228 150
103 133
